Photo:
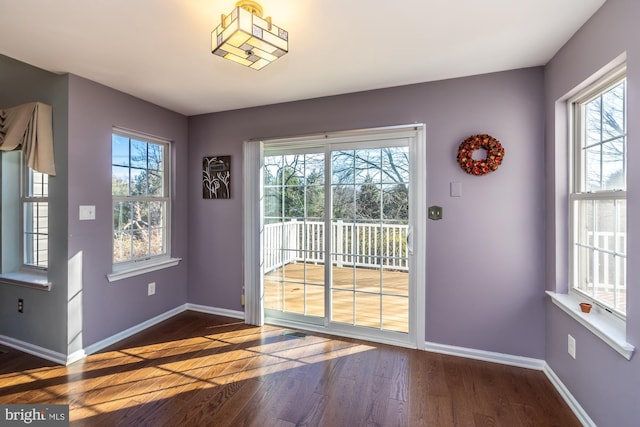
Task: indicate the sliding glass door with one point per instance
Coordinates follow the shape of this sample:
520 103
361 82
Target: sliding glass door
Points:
336 235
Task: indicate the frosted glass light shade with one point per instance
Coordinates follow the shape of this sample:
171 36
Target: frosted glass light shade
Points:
248 39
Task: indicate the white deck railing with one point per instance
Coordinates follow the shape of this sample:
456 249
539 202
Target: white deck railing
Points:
360 245
603 264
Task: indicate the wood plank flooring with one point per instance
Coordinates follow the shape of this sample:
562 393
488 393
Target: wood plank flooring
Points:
202 370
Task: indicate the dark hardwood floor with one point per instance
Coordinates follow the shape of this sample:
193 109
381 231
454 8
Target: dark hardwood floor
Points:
202 370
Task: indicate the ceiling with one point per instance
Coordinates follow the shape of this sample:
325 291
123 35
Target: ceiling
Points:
160 50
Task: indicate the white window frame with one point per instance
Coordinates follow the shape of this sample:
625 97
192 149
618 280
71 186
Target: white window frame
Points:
135 266
576 192
26 180
13 270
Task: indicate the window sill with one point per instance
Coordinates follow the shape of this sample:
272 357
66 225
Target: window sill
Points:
33 280
609 329
135 270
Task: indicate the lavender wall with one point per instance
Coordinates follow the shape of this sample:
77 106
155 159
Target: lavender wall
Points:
44 320
109 308
604 383
484 263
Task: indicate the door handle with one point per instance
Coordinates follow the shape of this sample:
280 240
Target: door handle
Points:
410 240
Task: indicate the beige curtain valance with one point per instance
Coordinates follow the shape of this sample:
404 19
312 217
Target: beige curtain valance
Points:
29 127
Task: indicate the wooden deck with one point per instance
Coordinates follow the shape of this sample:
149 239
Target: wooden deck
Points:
360 296
197 369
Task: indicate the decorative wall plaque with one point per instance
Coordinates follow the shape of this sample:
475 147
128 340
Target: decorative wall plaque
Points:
216 177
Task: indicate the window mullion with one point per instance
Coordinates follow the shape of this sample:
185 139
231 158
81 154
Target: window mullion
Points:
594 255
614 255
600 195
601 144
624 131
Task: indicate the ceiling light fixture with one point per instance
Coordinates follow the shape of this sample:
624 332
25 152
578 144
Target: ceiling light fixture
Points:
245 37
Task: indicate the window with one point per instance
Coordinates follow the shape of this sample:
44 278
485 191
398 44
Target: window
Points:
141 199
35 217
24 225
598 193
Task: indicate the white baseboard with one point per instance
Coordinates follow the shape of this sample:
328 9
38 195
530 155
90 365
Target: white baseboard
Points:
521 362
63 359
35 350
214 310
75 356
487 356
95 347
577 409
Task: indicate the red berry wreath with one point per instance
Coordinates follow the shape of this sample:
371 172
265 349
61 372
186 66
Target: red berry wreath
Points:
495 154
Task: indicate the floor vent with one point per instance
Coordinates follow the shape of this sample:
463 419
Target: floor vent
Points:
294 334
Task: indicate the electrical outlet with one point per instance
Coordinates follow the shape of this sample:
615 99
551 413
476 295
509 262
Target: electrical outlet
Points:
571 346
151 288
20 305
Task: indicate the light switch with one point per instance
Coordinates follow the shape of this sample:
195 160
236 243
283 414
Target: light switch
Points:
456 189
87 213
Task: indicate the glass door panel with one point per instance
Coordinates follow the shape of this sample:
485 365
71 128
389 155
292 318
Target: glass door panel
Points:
370 221
293 236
